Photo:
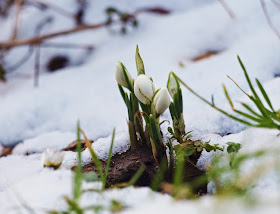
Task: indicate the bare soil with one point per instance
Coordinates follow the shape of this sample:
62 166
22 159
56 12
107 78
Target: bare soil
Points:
124 166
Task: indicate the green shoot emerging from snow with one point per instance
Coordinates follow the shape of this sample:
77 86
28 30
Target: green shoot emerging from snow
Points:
153 103
176 109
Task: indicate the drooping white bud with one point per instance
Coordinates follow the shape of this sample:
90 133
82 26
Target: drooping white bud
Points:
52 158
161 101
144 89
123 77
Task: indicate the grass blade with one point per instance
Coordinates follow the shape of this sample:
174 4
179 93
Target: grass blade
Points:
264 94
251 110
257 99
213 106
137 175
78 175
109 157
227 96
94 158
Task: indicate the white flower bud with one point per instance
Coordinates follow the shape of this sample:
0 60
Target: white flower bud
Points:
144 89
120 75
161 101
172 85
52 158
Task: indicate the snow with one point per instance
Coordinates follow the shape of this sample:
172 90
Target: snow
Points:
34 119
14 168
57 140
59 183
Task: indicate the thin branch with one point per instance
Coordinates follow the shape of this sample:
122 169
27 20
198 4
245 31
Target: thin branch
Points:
66 45
227 9
37 67
53 7
268 19
22 60
19 4
39 39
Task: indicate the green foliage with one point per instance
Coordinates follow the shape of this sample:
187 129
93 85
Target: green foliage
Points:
176 109
78 175
135 122
233 147
139 135
102 174
264 118
139 62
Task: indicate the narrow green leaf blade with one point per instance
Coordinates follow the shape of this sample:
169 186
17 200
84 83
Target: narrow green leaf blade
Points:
139 62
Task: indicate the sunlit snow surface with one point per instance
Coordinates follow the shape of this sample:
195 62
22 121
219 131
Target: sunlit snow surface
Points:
37 118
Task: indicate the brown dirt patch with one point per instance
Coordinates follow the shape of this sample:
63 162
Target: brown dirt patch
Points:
124 166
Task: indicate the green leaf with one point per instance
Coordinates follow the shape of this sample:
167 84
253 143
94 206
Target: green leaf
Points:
78 174
122 93
233 147
109 156
256 99
251 110
128 81
180 164
90 176
264 94
198 143
139 62
95 159
227 96
208 147
172 85
137 175
188 151
173 111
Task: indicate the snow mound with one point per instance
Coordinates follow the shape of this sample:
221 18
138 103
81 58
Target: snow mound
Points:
56 140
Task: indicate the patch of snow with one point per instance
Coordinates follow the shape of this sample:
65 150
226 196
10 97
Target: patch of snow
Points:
56 140
44 192
14 168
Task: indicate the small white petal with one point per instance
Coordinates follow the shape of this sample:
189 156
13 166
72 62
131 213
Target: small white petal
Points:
52 158
161 101
144 89
120 77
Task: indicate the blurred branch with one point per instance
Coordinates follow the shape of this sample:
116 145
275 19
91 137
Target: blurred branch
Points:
19 4
39 39
227 9
268 19
124 17
276 3
22 60
66 45
37 67
55 8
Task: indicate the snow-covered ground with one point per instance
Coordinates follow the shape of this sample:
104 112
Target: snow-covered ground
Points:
46 116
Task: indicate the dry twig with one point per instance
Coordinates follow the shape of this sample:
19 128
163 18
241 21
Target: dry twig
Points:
39 39
19 4
227 9
268 19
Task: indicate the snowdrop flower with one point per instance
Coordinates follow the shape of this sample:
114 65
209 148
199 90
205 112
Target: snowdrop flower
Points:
120 75
144 89
161 101
52 158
